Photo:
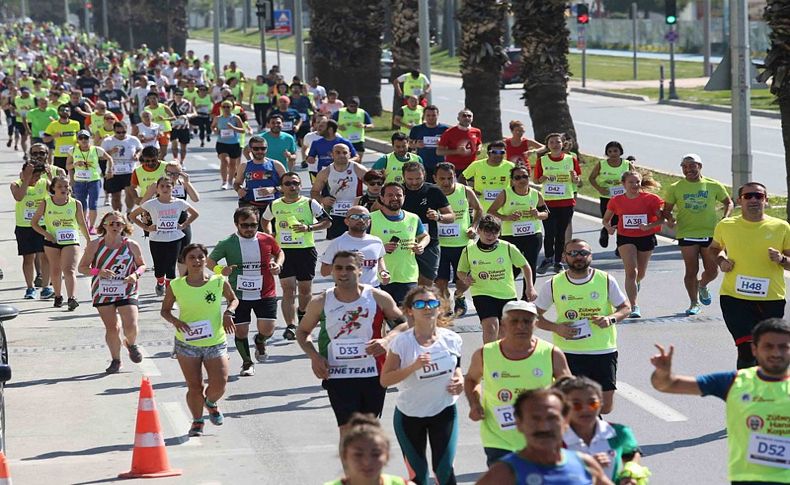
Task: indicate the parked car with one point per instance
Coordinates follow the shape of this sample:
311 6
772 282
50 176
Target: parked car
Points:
7 312
511 72
386 64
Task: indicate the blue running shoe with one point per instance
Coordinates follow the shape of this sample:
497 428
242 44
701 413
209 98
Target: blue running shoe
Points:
704 295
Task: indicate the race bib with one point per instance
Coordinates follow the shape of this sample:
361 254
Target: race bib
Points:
341 207
88 91
262 98
449 230
226 133
249 282
28 212
491 194
441 365
303 116
633 221
65 149
506 417
179 191
751 286
616 190
111 287
288 125
202 110
288 238
82 175
125 168
430 141
769 450
41 134
416 91
582 328
355 137
556 190
199 330
348 350
66 235
697 239
260 194
113 105
348 359
526 228
167 225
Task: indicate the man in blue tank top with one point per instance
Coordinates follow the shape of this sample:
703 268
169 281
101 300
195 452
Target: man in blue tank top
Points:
542 417
257 181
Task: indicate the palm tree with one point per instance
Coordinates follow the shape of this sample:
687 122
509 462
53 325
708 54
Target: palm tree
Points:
777 69
345 49
541 32
405 45
482 56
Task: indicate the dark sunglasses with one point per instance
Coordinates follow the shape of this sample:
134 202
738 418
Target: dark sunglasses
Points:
291 184
83 137
753 195
248 225
592 406
497 152
120 132
521 177
420 304
256 149
375 183
359 217
578 252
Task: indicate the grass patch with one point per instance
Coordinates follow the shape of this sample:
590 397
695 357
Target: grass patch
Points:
761 98
250 39
611 68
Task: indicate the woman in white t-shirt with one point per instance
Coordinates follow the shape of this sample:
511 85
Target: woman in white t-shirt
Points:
147 131
165 232
425 362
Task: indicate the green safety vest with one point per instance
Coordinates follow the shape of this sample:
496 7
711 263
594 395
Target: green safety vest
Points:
576 304
609 177
145 178
525 226
286 216
260 93
503 380
91 159
414 86
61 221
393 170
159 115
23 105
559 186
492 270
411 116
453 234
201 308
203 104
758 428
401 263
385 480
25 208
346 121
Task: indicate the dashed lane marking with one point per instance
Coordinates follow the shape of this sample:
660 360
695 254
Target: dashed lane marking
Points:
649 403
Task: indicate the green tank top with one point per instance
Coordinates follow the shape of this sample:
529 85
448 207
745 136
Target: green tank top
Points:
260 93
203 104
758 428
526 225
25 209
286 216
145 178
393 170
160 116
503 380
492 270
411 116
346 120
385 480
401 263
24 105
559 186
576 304
61 221
86 164
609 177
453 234
201 308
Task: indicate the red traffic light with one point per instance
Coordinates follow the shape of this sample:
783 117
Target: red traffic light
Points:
583 19
582 13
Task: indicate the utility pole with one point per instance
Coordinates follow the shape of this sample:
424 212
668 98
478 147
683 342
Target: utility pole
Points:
740 57
706 37
634 26
263 13
105 26
216 39
68 14
86 15
23 8
673 94
449 24
425 41
298 40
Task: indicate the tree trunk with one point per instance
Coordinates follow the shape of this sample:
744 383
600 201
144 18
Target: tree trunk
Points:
345 49
482 57
540 30
405 42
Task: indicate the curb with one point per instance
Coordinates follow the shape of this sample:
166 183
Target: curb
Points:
610 94
584 204
723 109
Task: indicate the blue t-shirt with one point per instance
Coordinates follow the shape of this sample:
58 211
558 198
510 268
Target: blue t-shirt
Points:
716 384
321 149
302 105
429 136
290 118
278 145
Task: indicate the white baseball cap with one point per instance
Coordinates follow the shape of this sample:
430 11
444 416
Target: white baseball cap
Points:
692 156
520 305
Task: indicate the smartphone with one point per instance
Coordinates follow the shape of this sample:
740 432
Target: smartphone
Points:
394 239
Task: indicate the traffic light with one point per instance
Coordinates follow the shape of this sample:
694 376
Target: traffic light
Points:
582 13
671 7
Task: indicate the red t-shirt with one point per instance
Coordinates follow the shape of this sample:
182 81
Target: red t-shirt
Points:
539 173
516 154
457 137
632 212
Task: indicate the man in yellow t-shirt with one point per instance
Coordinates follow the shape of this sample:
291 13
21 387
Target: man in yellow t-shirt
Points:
752 251
490 176
63 132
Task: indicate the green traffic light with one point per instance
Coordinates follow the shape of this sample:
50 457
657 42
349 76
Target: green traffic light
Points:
671 19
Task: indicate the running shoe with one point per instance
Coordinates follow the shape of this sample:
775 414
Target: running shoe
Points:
544 266
47 292
247 369
290 332
558 267
72 304
208 138
9 143
1 274
304 165
30 294
704 295
260 349
202 144
58 302
197 428
160 289
114 368
134 353
617 252
460 308
635 313
215 415
37 281
224 186
694 309
603 240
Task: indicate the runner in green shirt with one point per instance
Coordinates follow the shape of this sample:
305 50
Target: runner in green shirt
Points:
38 119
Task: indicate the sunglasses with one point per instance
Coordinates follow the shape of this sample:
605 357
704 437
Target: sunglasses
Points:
375 183
114 224
83 138
248 225
592 406
258 149
291 184
521 177
120 132
359 217
497 152
578 252
753 195
421 304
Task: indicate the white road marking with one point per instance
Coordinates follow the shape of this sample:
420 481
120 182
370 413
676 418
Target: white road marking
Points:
180 422
147 366
649 403
199 157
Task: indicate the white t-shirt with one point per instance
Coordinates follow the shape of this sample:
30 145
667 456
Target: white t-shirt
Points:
306 142
123 161
546 297
165 218
369 246
424 393
139 94
150 131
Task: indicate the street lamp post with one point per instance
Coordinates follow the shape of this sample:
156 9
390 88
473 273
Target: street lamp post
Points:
260 10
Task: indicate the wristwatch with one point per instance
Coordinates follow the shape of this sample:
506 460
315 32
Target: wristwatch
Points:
231 313
612 320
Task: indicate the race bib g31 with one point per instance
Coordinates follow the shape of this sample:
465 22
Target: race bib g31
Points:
249 282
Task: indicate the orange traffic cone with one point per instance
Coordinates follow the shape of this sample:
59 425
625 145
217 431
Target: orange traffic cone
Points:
5 476
149 457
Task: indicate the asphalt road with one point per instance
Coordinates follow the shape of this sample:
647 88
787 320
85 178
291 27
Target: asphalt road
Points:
657 135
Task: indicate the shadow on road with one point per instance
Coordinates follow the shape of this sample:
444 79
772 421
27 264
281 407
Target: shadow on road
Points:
298 405
277 393
58 380
649 450
128 390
